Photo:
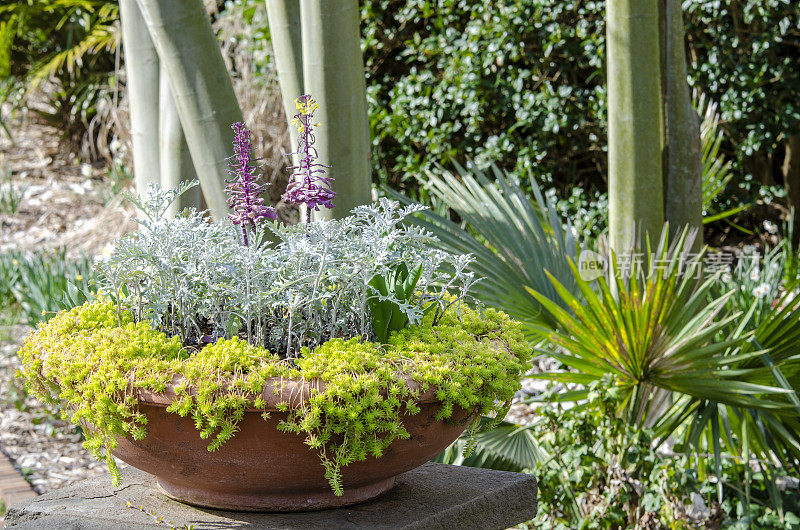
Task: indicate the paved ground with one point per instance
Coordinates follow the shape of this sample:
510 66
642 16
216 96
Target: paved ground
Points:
432 496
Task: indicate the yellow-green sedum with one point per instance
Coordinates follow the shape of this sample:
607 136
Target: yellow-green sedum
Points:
96 361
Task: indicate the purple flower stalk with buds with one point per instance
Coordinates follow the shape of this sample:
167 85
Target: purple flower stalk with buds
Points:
245 190
308 183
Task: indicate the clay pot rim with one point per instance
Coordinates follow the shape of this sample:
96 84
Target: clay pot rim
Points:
276 391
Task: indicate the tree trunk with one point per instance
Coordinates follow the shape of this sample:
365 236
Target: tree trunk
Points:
287 44
333 72
791 179
286 36
201 88
176 161
635 123
142 69
683 179
760 166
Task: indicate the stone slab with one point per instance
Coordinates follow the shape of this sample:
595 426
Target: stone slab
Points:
434 496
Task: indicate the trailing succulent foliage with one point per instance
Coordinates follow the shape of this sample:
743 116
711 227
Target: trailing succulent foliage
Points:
96 358
192 278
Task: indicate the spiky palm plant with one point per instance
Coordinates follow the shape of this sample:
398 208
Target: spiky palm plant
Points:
657 331
770 316
714 371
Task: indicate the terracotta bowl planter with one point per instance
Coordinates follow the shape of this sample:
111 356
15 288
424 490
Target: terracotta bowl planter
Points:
264 469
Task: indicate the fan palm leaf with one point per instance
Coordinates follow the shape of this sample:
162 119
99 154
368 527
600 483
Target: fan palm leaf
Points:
513 239
706 426
507 447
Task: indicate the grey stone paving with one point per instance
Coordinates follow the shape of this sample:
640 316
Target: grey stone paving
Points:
434 496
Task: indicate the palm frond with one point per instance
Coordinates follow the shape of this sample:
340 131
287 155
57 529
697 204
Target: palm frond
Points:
770 356
508 447
715 169
658 332
515 241
101 35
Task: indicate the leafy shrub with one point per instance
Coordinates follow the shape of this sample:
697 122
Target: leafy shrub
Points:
587 212
522 83
96 358
595 470
744 54
71 42
600 472
516 83
193 278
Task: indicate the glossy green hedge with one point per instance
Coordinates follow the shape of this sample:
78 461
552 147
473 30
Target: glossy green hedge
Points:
95 359
745 57
514 81
521 82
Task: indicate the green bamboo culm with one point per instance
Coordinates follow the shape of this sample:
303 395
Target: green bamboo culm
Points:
142 69
333 72
175 159
285 34
683 177
201 88
635 123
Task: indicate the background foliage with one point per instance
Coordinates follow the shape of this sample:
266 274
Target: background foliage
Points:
516 82
520 82
37 285
68 43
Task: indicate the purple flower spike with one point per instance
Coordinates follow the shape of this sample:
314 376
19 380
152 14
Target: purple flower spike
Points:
308 183
244 191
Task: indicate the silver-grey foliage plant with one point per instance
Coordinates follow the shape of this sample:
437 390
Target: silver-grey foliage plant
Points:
192 278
